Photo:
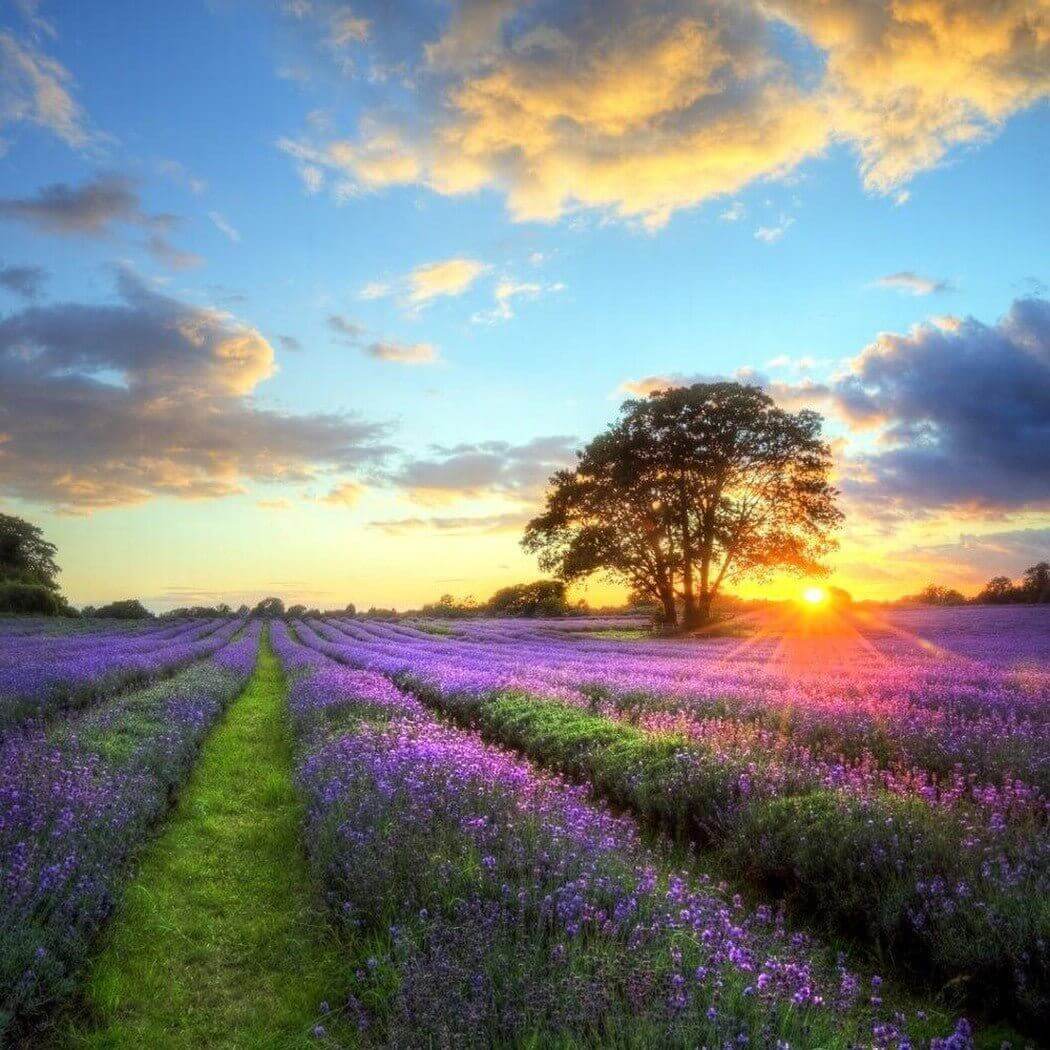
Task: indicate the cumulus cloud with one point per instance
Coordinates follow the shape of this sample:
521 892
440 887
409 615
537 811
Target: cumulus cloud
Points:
27 282
962 413
485 468
956 414
639 107
447 277
347 331
37 89
913 283
112 404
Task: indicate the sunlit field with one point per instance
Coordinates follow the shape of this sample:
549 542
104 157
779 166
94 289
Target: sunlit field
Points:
827 829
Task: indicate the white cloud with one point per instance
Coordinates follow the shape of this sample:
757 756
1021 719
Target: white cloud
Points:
224 226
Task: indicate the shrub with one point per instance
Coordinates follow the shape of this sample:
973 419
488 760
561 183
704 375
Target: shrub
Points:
125 609
31 599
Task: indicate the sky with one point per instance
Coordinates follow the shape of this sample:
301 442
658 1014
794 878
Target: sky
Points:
310 298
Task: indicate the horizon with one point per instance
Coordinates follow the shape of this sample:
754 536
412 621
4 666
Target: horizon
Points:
311 299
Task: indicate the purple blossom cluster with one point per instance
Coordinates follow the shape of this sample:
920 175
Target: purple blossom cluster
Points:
41 674
507 904
76 799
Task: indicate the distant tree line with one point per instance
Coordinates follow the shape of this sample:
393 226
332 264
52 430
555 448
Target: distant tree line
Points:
1033 588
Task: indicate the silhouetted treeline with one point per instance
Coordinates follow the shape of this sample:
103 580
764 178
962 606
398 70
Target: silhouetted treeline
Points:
1033 588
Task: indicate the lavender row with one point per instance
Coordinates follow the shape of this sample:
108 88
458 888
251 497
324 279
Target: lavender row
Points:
856 726
955 896
36 686
508 906
76 801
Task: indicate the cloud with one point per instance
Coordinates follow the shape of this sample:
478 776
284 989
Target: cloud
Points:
23 281
347 331
734 213
350 333
448 277
519 472
113 404
274 504
181 175
224 227
345 494
290 343
88 210
168 255
93 209
375 290
469 525
37 89
913 283
772 234
402 353
506 292
642 108
962 412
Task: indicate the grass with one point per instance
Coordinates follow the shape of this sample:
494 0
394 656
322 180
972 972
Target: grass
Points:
217 942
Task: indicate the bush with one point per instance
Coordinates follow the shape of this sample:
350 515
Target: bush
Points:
125 609
542 598
31 599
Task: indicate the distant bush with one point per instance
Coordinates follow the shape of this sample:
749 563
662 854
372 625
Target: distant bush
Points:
125 609
541 598
32 599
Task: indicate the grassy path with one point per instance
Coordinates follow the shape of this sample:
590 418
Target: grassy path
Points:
218 943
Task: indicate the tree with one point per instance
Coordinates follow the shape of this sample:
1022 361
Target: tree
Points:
1035 583
25 556
690 489
269 608
125 609
542 598
998 591
937 595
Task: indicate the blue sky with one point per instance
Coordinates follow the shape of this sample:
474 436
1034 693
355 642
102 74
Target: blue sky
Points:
588 223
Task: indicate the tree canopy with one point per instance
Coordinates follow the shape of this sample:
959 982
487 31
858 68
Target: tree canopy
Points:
25 556
689 489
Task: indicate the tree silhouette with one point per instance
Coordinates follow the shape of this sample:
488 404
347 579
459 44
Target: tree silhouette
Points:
691 488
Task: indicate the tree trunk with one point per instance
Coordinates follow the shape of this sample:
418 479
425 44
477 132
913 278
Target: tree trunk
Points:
670 609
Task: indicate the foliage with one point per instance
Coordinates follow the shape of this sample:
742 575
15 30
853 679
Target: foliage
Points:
125 609
269 608
935 594
32 599
1033 587
447 608
540 598
691 488
25 556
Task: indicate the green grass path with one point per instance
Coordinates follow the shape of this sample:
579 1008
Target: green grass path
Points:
218 942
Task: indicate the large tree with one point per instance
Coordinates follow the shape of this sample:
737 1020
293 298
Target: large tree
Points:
689 489
25 556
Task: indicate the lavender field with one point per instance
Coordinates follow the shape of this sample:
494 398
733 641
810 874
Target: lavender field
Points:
811 832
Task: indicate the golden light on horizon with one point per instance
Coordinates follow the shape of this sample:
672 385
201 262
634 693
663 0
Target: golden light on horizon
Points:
814 596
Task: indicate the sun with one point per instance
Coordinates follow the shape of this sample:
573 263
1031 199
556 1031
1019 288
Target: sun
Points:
814 596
